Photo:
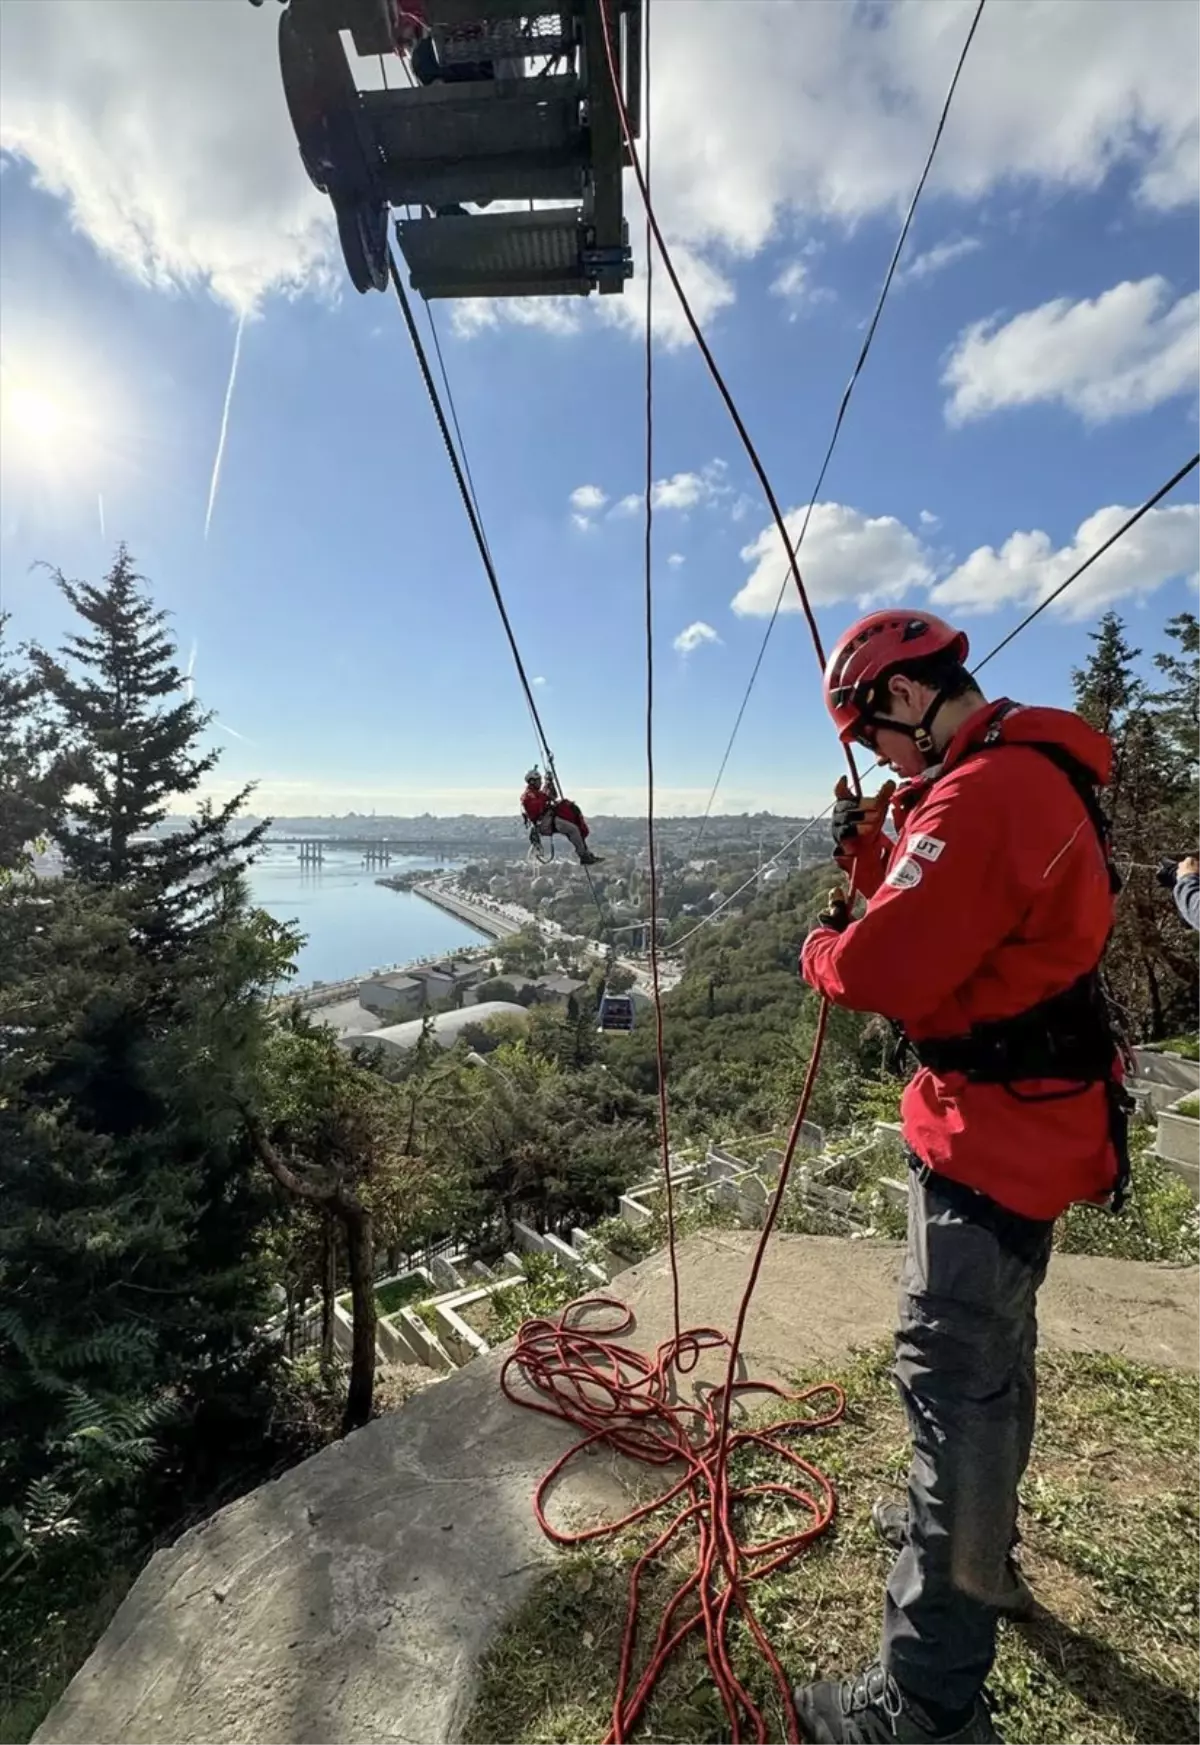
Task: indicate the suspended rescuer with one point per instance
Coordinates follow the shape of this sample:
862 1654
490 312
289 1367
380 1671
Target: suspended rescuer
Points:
986 919
547 815
1182 879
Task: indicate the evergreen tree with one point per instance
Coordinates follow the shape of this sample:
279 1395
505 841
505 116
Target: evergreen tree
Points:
132 1023
34 768
136 737
1150 801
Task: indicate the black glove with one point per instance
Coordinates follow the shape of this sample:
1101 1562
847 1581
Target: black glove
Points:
837 915
1166 875
857 819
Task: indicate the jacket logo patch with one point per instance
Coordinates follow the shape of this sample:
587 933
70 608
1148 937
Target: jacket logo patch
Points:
928 847
906 873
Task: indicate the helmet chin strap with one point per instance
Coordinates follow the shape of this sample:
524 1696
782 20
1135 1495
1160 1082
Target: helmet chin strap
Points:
921 733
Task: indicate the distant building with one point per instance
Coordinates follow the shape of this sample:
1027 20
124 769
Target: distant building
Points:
392 996
444 1028
558 989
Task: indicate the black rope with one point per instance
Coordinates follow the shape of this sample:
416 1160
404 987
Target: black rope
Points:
465 493
1088 562
845 401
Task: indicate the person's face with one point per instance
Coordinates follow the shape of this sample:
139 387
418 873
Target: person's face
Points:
907 702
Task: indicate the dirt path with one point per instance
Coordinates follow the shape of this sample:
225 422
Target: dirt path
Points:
351 1599
819 1296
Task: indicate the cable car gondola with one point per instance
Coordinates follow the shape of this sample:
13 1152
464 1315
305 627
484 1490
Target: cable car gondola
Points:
616 1012
514 102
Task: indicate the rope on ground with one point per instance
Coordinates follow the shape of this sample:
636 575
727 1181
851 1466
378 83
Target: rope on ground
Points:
574 1367
845 401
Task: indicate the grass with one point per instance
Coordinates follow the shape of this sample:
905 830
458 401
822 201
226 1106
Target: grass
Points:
1189 1106
399 1292
1187 1047
1160 1221
1109 1521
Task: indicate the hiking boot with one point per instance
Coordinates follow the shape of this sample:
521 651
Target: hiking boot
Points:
890 1521
589 859
872 1710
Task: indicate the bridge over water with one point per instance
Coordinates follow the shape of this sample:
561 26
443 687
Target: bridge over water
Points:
379 850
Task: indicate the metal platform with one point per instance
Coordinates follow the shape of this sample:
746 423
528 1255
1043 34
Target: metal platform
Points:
504 254
518 139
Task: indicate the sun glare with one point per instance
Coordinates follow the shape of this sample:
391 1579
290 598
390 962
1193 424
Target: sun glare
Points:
63 435
33 416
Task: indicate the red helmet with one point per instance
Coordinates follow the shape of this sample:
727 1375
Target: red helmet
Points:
876 645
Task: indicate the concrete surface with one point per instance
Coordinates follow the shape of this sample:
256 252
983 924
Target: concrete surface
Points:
350 1600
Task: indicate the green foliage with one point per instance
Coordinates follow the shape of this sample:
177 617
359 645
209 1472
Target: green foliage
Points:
1189 1106
1159 1222
548 1287
1186 1047
1152 802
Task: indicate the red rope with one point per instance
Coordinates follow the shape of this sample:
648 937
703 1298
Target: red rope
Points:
577 1370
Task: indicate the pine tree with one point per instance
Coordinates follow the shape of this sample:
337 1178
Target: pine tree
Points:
34 768
136 737
1151 969
132 1025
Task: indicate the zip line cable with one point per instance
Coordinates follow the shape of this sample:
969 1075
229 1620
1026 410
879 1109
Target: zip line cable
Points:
1100 550
462 446
469 506
845 401
1131 521
651 840
465 491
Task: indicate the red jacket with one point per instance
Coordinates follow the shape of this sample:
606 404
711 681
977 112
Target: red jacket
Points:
994 896
535 802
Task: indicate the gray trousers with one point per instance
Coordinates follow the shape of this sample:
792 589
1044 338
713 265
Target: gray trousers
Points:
572 832
965 1368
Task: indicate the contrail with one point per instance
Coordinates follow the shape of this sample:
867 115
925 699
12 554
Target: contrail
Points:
225 728
100 506
220 455
189 681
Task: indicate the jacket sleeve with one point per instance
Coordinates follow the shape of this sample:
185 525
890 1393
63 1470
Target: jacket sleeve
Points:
1187 899
947 900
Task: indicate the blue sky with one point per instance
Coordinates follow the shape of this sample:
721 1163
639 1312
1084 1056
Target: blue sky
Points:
1034 373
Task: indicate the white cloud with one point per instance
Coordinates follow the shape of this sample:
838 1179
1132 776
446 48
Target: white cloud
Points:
795 287
845 556
828 110
676 560
1119 353
929 519
936 259
694 636
682 491
539 680
705 286
559 316
1027 568
164 130
586 502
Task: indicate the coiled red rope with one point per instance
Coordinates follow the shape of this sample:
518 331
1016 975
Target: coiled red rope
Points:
575 1367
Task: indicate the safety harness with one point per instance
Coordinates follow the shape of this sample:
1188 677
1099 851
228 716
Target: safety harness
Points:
1073 1036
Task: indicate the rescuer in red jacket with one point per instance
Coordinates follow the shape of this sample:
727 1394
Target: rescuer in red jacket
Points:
547 815
986 919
